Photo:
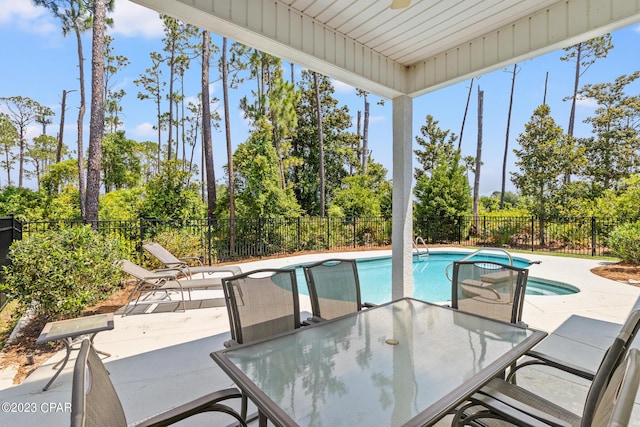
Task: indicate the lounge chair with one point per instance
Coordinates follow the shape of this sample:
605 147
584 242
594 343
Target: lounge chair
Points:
164 280
169 260
334 288
261 304
95 402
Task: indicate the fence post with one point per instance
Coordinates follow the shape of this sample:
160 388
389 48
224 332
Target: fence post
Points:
355 218
328 233
209 221
593 236
533 233
141 239
299 231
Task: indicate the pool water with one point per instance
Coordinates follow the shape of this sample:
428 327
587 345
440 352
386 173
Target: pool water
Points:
430 282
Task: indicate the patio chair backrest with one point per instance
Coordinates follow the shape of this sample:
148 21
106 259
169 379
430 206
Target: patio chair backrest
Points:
94 401
164 256
261 304
490 289
617 402
334 287
611 360
136 271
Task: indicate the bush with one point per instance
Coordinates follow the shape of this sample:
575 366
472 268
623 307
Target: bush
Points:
625 242
63 271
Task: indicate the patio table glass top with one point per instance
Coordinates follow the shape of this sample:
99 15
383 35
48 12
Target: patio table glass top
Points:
404 363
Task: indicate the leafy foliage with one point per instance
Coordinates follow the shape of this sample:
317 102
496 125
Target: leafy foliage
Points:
170 195
544 156
259 191
121 204
625 242
63 271
442 188
120 163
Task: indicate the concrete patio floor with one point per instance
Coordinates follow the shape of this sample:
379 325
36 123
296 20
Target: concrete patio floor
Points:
161 359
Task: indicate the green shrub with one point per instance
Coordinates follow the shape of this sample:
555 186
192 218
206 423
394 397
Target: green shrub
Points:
63 271
625 242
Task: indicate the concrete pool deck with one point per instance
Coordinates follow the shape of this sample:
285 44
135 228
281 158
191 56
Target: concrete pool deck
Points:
161 359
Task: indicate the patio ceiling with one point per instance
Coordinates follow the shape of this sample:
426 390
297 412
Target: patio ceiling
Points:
409 51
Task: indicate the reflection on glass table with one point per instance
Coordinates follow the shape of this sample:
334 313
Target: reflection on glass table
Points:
404 363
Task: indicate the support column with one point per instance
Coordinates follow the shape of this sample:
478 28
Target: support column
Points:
402 224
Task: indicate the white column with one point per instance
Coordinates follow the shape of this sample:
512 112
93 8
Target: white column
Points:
402 231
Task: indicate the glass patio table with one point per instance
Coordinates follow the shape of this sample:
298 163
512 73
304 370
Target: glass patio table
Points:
404 363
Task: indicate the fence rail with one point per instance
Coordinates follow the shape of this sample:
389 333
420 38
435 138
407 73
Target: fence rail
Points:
260 237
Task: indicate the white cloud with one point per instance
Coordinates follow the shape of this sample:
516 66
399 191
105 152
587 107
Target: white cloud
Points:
342 87
586 102
145 130
192 99
24 15
376 119
133 20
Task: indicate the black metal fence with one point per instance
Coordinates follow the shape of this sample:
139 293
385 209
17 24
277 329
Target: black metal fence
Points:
260 237
578 236
10 230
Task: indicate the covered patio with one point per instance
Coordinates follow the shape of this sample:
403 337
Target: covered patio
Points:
161 359
403 53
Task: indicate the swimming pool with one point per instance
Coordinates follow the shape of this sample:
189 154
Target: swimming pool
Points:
430 282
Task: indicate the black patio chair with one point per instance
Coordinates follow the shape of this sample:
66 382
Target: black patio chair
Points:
609 403
490 289
95 403
260 304
334 288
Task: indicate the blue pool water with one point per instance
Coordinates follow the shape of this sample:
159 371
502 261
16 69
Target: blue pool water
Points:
430 282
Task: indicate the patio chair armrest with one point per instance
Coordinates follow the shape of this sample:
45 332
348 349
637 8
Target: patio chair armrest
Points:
207 403
368 304
231 343
191 258
176 271
514 411
538 358
163 274
312 320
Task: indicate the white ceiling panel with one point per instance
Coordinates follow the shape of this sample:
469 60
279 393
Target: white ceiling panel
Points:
407 51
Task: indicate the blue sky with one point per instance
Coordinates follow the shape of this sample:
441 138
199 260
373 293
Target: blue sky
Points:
38 62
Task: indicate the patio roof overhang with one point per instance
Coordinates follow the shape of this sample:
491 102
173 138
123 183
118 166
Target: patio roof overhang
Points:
403 53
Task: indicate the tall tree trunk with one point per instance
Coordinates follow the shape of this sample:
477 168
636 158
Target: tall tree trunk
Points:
572 114
96 127
320 143
476 180
170 97
159 113
61 129
23 143
81 111
506 139
227 130
546 82
206 127
359 135
464 117
365 136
